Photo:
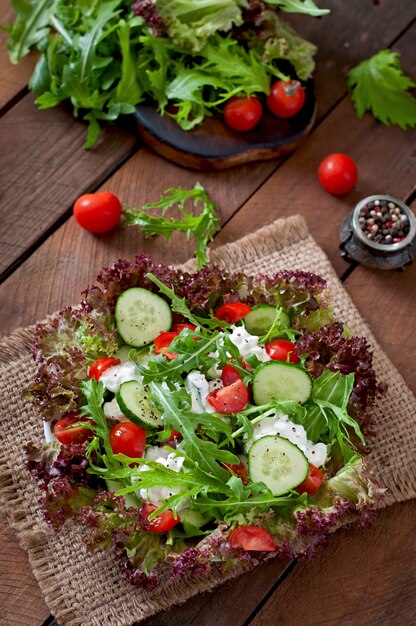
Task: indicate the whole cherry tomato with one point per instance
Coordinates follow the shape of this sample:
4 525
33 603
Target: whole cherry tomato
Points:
252 538
313 481
129 439
72 435
232 312
98 212
338 174
230 399
286 98
281 350
161 523
243 113
99 366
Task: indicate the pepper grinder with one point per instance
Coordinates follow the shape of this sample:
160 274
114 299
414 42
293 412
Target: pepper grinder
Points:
379 232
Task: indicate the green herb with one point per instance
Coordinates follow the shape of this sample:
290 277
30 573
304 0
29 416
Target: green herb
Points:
201 227
180 305
379 85
327 417
94 395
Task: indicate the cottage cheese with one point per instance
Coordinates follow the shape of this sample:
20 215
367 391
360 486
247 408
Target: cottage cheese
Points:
114 376
158 494
247 344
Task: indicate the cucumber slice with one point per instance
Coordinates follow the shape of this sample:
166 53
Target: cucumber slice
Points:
277 463
130 499
280 380
195 518
135 405
260 319
141 316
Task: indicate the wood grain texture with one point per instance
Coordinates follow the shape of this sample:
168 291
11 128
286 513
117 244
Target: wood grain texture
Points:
366 578
21 601
14 78
44 167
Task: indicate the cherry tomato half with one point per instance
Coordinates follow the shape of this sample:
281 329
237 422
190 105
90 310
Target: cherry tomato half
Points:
239 470
98 212
129 439
232 312
282 350
162 343
161 523
229 375
338 174
99 366
313 481
252 538
243 113
72 435
230 399
286 98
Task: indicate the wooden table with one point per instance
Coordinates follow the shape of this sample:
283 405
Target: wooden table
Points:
365 576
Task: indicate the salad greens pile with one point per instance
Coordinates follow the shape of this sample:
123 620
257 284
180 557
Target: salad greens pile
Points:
187 56
104 490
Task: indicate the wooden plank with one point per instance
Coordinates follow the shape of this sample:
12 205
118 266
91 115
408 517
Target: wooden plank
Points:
366 578
21 601
44 168
386 161
14 78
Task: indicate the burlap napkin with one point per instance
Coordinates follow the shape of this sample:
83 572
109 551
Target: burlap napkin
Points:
83 588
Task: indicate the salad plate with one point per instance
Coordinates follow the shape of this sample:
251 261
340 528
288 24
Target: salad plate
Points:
214 146
178 436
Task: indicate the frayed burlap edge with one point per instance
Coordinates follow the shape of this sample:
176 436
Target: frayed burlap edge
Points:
284 243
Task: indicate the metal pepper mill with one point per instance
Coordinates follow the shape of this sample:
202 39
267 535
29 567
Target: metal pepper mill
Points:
356 246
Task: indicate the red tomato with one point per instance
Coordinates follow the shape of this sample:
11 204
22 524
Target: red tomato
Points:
229 375
163 342
243 113
98 212
73 435
129 439
232 312
313 481
338 174
177 328
281 350
252 538
161 523
99 366
239 470
286 98
230 399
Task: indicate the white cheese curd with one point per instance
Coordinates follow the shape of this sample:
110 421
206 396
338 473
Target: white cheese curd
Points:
281 425
48 432
158 494
198 388
112 410
114 376
247 344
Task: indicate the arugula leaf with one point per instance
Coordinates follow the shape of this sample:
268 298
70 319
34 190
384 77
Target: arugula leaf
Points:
175 408
31 26
327 417
94 395
180 305
202 227
379 85
308 7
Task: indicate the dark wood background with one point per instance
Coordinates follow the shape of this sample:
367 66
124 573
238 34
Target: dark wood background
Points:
366 577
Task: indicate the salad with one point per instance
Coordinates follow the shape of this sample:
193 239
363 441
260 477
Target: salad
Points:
199 421
189 57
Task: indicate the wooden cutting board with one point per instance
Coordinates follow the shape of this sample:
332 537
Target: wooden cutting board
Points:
214 146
